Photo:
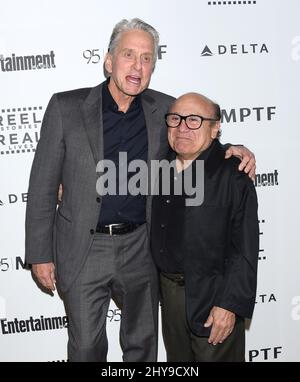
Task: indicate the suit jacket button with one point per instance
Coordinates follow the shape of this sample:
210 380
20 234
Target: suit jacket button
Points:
92 231
98 199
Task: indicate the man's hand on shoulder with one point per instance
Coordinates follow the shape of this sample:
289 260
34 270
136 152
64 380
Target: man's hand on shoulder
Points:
248 162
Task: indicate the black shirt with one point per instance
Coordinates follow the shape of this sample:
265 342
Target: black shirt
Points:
166 227
123 132
167 222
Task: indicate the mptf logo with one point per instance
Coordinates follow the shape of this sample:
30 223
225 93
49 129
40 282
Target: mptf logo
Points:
243 114
265 354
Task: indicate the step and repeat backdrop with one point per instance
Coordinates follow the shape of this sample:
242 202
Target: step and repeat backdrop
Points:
243 54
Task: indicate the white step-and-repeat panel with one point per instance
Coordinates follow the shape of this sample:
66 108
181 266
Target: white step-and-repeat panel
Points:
243 54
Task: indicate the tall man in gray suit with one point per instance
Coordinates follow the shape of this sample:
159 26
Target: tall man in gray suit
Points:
96 247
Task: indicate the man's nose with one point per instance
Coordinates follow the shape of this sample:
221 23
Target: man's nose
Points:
137 63
183 126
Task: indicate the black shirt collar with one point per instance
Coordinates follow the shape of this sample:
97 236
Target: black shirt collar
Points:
206 153
109 104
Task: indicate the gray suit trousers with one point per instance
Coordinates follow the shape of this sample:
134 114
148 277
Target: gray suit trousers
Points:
118 267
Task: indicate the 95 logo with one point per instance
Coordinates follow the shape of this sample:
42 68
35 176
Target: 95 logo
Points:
114 315
92 56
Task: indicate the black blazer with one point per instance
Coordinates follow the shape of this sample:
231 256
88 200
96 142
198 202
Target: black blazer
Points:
221 243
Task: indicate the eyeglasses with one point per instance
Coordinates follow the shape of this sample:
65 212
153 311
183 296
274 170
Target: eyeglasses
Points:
192 121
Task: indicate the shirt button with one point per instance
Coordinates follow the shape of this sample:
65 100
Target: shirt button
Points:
92 231
175 177
98 199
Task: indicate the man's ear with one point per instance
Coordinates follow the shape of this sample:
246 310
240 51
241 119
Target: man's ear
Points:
108 63
215 129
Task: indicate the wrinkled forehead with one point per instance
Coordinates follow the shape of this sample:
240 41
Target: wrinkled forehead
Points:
136 39
192 105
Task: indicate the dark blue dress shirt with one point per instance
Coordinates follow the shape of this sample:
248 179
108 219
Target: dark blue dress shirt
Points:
123 132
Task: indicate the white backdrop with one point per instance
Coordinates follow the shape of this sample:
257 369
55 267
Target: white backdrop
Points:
250 66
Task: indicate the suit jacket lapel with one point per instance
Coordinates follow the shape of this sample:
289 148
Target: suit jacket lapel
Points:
153 130
93 121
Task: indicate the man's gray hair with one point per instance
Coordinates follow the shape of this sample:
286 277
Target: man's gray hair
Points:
128 25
